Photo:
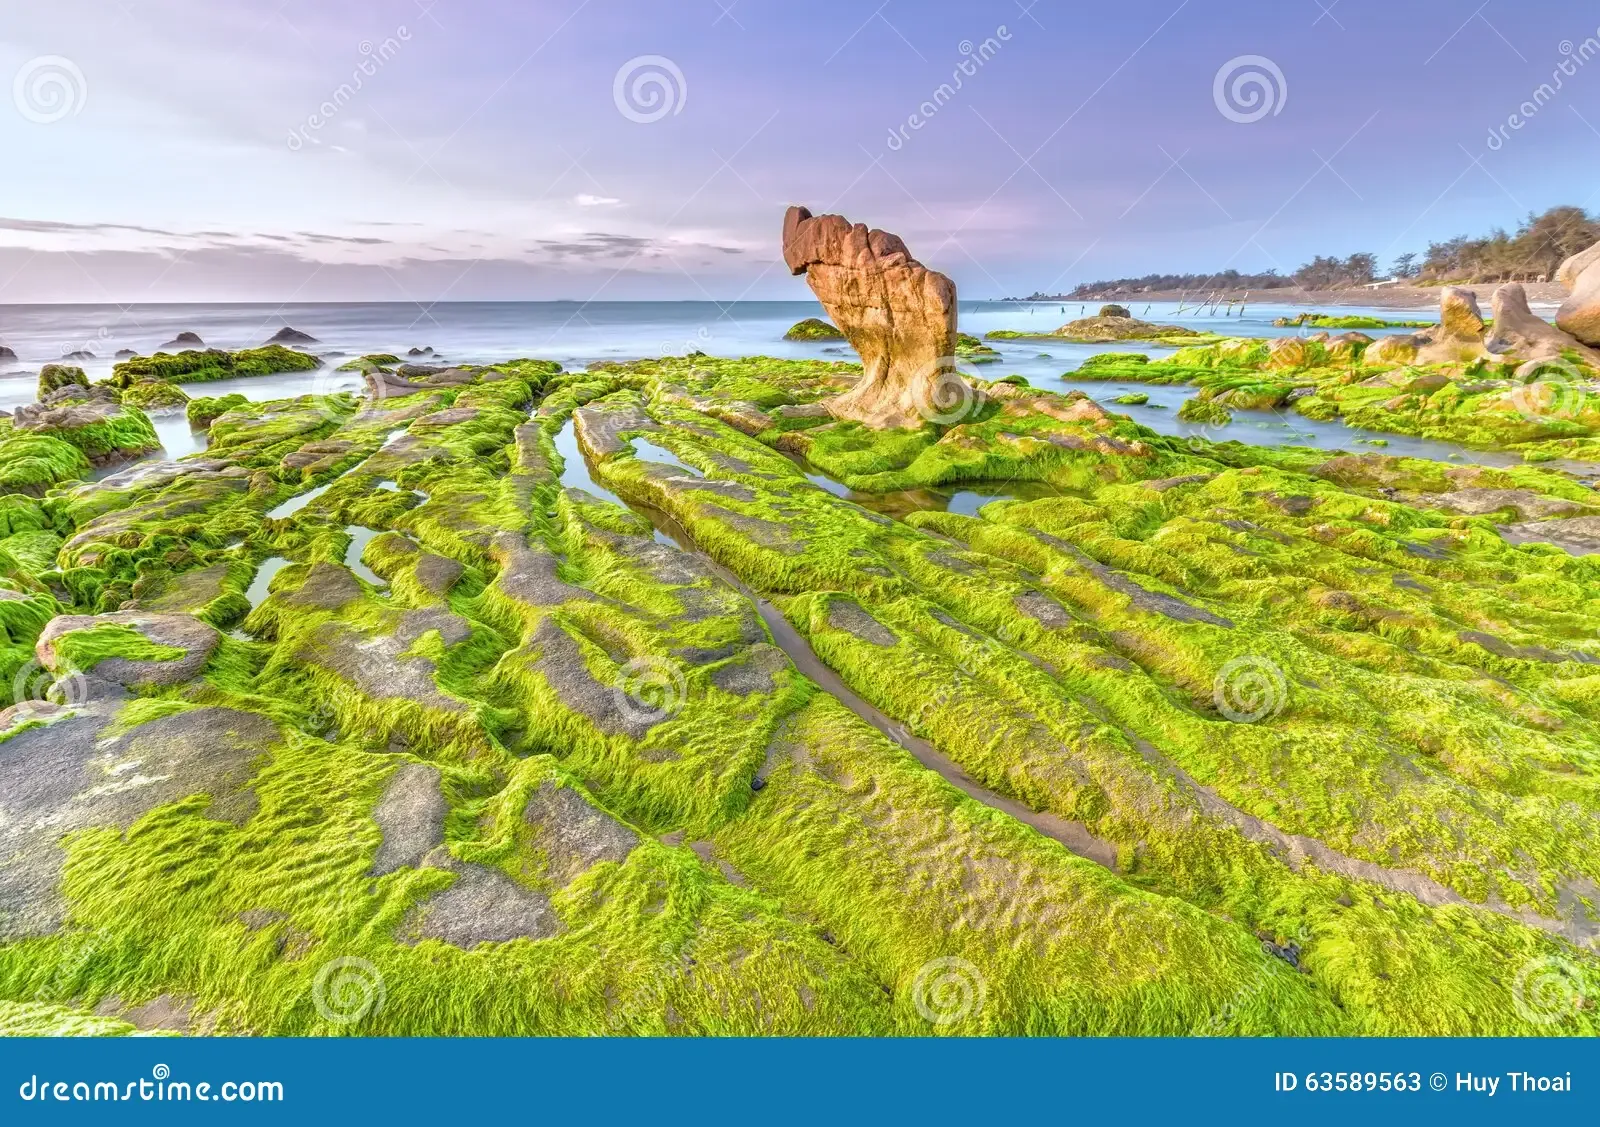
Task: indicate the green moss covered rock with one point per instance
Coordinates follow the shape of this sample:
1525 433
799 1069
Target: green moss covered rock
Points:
155 395
813 328
201 366
53 377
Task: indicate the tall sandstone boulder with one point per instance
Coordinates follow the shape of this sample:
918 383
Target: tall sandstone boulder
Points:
898 315
1579 315
1458 337
1519 332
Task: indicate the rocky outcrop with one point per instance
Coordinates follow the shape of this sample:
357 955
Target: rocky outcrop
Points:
412 378
812 328
183 641
53 377
898 315
1104 328
1519 332
1458 337
286 335
183 341
92 419
1579 315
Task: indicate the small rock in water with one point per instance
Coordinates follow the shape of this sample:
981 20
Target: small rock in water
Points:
286 335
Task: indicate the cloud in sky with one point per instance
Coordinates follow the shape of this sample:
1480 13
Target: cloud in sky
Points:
461 148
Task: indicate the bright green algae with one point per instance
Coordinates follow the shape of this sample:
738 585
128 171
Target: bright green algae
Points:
795 870
203 366
1541 410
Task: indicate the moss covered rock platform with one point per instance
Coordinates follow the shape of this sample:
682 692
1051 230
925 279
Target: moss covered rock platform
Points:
616 702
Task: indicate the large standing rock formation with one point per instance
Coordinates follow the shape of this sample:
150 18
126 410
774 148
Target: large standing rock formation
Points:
898 315
1579 315
1521 333
1458 337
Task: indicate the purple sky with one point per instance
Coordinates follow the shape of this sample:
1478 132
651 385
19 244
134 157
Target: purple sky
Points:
174 150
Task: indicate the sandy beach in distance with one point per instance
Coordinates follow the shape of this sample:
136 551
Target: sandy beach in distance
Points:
1386 297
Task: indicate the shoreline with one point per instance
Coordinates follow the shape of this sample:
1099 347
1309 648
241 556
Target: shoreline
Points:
1389 297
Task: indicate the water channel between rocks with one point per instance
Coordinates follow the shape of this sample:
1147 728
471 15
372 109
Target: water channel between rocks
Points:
576 473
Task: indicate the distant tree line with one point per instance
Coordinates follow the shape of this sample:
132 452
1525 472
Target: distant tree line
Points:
1532 253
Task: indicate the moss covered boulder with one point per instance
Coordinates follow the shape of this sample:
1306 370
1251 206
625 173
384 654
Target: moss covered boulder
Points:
98 424
813 328
155 395
202 366
54 377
